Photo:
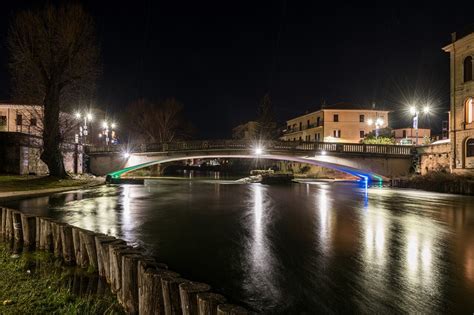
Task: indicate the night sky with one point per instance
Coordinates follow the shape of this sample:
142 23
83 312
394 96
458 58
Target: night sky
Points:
220 57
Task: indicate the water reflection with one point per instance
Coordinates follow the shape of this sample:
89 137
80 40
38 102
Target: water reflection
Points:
261 278
303 248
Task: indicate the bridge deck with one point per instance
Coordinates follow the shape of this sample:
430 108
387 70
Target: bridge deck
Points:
267 146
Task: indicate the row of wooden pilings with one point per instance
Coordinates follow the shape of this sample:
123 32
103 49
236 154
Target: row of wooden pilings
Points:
142 285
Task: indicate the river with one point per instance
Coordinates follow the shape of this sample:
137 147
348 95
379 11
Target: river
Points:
296 249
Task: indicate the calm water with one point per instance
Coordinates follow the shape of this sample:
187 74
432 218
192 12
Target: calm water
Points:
302 248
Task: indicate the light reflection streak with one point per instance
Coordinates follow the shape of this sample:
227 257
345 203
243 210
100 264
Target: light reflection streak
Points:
324 219
419 256
261 262
127 223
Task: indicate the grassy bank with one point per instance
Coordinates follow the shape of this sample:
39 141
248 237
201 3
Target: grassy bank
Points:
36 283
26 183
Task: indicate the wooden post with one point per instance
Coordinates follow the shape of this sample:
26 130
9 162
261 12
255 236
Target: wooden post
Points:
3 212
8 224
129 292
171 298
76 241
46 237
147 262
28 224
67 243
88 251
188 293
230 309
150 293
37 232
208 302
102 253
56 231
116 252
107 258
17 230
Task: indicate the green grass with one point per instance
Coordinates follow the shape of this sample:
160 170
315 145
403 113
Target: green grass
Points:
23 183
44 289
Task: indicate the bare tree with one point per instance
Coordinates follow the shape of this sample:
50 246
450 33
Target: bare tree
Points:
54 60
162 122
266 125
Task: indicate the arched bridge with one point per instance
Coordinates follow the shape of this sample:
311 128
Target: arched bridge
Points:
366 161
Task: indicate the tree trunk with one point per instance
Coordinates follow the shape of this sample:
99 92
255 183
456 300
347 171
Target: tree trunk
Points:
51 154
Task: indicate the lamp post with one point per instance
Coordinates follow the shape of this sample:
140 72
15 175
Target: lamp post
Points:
415 112
378 123
83 130
108 132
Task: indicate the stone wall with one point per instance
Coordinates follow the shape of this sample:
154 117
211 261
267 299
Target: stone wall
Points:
435 157
20 154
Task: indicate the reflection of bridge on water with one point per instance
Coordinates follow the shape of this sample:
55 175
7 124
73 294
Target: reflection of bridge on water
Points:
366 161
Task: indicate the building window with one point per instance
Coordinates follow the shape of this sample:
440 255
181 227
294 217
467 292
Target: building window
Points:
336 118
288 128
361 134
468 69
301 126
336 133
470 147
318 121
301 139
3 120
307 124
19 120
404 133
33 122
361 118
469 108
317 137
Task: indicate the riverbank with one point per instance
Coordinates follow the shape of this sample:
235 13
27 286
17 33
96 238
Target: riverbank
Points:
438 182
37 283
20 186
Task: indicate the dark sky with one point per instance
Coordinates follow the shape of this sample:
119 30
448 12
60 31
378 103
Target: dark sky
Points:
220 57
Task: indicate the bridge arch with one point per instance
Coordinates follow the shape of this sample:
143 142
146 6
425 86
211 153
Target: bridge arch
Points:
135 162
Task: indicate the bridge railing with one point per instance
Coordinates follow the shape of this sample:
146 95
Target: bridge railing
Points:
291 146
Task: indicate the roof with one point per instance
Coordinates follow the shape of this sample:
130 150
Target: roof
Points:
345 105
467 30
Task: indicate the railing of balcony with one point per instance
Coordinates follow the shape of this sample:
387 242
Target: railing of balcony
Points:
290 146
304 127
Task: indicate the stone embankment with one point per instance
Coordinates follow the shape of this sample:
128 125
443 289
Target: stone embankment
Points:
438 182
141 284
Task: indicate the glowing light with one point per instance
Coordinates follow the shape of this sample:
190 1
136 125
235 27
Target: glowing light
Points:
379 121
77 115
426 109
323 152
370 122
105 125
89 116
113 125
258 151
126 155
413 110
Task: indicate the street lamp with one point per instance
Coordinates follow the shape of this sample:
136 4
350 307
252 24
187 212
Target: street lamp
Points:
415 112
106 128
378 123
83 130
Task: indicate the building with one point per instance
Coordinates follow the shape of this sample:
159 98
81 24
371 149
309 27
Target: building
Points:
408 136
21 129
341 122
21 118
461 125
246 131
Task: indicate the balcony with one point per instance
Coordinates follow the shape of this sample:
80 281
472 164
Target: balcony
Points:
304 127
